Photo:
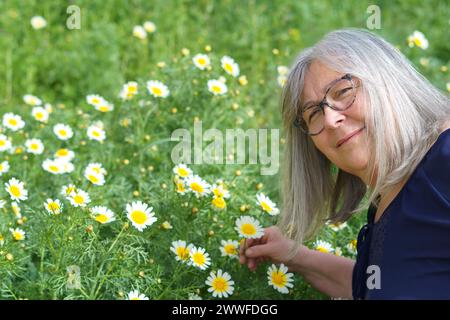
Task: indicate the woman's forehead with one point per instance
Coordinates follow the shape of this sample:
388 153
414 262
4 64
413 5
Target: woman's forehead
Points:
317 79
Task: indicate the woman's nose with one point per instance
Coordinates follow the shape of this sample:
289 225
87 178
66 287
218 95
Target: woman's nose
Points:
332 118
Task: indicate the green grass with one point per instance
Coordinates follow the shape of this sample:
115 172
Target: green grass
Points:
63 66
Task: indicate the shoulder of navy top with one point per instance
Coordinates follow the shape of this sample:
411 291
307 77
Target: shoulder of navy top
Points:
429 185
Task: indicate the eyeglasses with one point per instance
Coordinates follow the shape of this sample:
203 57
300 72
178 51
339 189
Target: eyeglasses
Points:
339 96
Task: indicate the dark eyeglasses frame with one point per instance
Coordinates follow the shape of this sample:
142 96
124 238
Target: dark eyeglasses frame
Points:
324 102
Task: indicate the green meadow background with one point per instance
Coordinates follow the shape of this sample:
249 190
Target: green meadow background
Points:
63 66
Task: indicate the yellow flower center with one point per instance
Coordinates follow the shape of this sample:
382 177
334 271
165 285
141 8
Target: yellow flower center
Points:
322 249
69 190
96 134
53 206
182 172
266 207
220 284
279 278
248 229
228 67
138 216
102 218
93 179
2 143
53 168
39 115
34 146
13 122
201 61
199 258
157 91
230 249
15 191
1 167
180 187
17 235
95 101
197 187
219 202
183 253
216 89
62 132
132 89
62 152
78 199
103 108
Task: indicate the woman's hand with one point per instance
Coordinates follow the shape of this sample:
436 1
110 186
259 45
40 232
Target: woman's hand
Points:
273 246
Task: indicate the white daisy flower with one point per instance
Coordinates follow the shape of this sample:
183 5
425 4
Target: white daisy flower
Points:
97 168
64 154
351 246
219 191
338 251
40 114
129 90
229 248
4 167
79 198
135 295
53 206
337 226
279 278
16 190
139 32
32 100
38 22
218 203
13 121
217 87
5 143
149 26
63 131
266 204
95 100
283 70
197 185
94 177
199 258
182 251
96 133
67 166
230 66
418 39
180 185
18 234
105 107
323 246
249 227
157 89
220 284
48 107
67 190
182 171
54 166
140 215
102 214
281 80
34 146
201 61
16 209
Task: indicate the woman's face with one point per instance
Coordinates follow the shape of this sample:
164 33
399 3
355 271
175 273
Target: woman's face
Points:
353 155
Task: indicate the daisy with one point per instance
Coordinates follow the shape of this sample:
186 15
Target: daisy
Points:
16 209
229 248
67 167
230 66
180 185
16 190
18 234
218 203
418 39
67 190
139 32
4 167
95 178
283 70
281 80
79 198
217 87
243 80
32 100
102 214
129 90
40 114
96 133
199 258
34 146
54 166
12 121
5 143
337 226
279 278
182 171
351 247
249 227
140 215
94 99
97 168
104 106
220 284
201 61
181 251
266 204
197 185
157 89
64 154
149 26
219 191
53 206
338 251
38 22
323 246
62 131
135 295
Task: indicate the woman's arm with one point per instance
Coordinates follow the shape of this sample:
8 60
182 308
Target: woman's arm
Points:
327 273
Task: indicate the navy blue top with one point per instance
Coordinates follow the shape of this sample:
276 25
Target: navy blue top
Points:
410 243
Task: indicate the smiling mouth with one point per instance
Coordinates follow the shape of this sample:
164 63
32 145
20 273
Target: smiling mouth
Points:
357 132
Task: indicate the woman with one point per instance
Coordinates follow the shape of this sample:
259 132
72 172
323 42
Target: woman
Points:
354 101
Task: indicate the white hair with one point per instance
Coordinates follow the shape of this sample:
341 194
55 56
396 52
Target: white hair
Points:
404 114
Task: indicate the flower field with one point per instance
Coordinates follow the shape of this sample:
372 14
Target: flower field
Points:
92 205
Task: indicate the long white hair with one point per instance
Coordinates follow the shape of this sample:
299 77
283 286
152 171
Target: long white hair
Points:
404 115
